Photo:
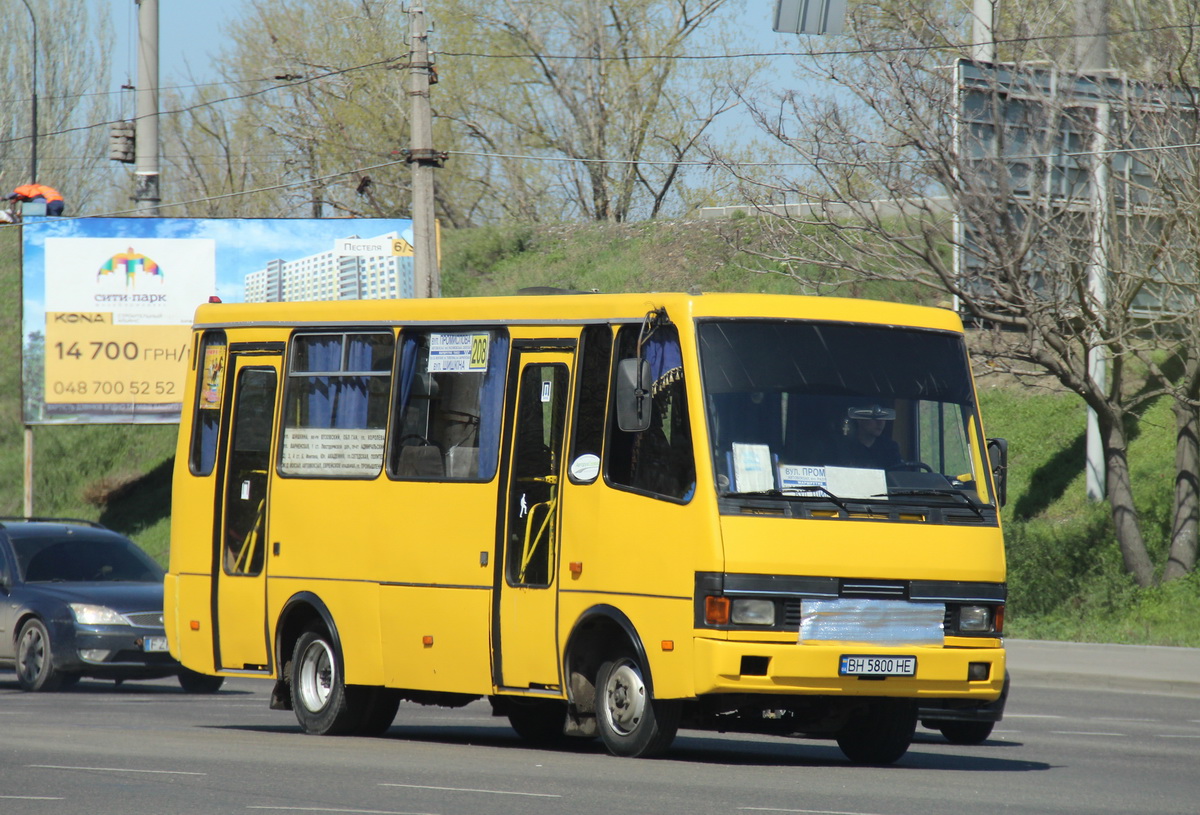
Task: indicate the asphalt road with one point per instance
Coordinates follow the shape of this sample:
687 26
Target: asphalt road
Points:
1073 741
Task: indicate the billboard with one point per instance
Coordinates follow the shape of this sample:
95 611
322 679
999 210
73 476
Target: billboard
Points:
108 302
1080 153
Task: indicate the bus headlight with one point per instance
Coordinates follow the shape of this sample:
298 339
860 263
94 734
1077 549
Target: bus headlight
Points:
974 618
753 612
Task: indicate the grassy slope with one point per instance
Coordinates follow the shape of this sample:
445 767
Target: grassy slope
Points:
1065 576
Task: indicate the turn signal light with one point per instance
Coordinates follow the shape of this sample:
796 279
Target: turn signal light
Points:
716 610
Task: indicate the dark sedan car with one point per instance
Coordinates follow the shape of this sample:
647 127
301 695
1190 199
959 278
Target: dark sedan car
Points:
79 600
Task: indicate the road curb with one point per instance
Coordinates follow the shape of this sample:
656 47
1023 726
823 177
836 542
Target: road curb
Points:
1151 668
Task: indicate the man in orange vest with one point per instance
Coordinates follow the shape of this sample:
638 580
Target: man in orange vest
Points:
39 192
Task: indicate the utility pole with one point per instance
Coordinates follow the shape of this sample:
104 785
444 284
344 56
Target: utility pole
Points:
33 78
145 191
27 492
983 31
423 158
1091 56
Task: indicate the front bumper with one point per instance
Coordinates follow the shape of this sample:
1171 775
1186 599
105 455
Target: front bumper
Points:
109 651
942 673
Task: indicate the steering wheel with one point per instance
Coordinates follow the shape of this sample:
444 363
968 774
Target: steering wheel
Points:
915 466
423 442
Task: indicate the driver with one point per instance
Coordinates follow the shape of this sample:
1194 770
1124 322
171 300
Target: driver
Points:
864 443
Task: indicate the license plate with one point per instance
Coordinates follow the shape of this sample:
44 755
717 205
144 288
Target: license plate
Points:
154 644
866 665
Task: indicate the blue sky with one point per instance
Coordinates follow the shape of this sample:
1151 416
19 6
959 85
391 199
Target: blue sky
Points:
190 33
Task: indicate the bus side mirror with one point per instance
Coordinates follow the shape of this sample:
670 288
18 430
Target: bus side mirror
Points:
997 450
633 395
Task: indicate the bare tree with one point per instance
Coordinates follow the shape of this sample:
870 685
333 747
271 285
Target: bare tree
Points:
72 117
602 86
1030 211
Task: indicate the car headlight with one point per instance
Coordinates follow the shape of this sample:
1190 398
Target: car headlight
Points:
753 612
88 614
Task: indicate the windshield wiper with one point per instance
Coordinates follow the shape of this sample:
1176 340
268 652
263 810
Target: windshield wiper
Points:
976 508
793 493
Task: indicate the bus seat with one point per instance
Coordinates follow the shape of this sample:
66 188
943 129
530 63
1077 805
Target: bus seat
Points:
420 462
462 462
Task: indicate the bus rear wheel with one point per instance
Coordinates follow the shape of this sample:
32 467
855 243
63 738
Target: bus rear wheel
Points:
324 705
880 732
630 721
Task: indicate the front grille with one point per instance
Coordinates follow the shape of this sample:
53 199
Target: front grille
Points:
874 589
146 619
791 614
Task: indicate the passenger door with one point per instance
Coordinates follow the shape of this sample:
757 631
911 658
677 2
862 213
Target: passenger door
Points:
525 636
241 537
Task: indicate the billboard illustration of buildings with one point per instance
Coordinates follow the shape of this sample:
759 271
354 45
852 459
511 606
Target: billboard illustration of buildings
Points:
108 302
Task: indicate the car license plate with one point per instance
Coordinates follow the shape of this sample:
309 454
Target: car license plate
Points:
867 665
150 644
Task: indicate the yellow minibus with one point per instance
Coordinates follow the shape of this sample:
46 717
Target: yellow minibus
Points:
611 516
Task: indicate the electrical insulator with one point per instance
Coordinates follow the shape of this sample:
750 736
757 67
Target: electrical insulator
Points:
121 142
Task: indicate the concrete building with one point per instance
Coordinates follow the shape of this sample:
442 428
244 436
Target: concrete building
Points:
335 275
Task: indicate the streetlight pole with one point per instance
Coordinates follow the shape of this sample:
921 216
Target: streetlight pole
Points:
33 107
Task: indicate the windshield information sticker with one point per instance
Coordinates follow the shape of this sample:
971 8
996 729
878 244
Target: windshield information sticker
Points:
458 353
844 482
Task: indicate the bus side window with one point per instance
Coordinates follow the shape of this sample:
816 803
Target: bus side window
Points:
660 459
210 389
595 360
335 415
449 405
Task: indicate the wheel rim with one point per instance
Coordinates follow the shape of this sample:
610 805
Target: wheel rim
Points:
33 654
316 673
625 698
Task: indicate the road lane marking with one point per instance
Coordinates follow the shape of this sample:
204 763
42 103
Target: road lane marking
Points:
467 789
1114 719
1032 716
801 811
1169 736
29 798
110 769
330 809
1084 733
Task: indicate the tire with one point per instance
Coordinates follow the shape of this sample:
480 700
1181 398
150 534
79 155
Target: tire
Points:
538 721
193 682
630 721
966 732
323 704
378 712
35 659
880 733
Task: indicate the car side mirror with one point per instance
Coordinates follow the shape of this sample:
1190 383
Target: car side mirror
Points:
633 395
997 450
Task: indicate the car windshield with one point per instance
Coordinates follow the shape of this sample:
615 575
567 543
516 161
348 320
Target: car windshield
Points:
84 559
841 410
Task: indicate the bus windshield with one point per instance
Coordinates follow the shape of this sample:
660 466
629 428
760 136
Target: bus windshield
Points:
841 411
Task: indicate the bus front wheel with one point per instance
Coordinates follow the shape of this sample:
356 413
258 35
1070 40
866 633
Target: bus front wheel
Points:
320 697
880 733
630 721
